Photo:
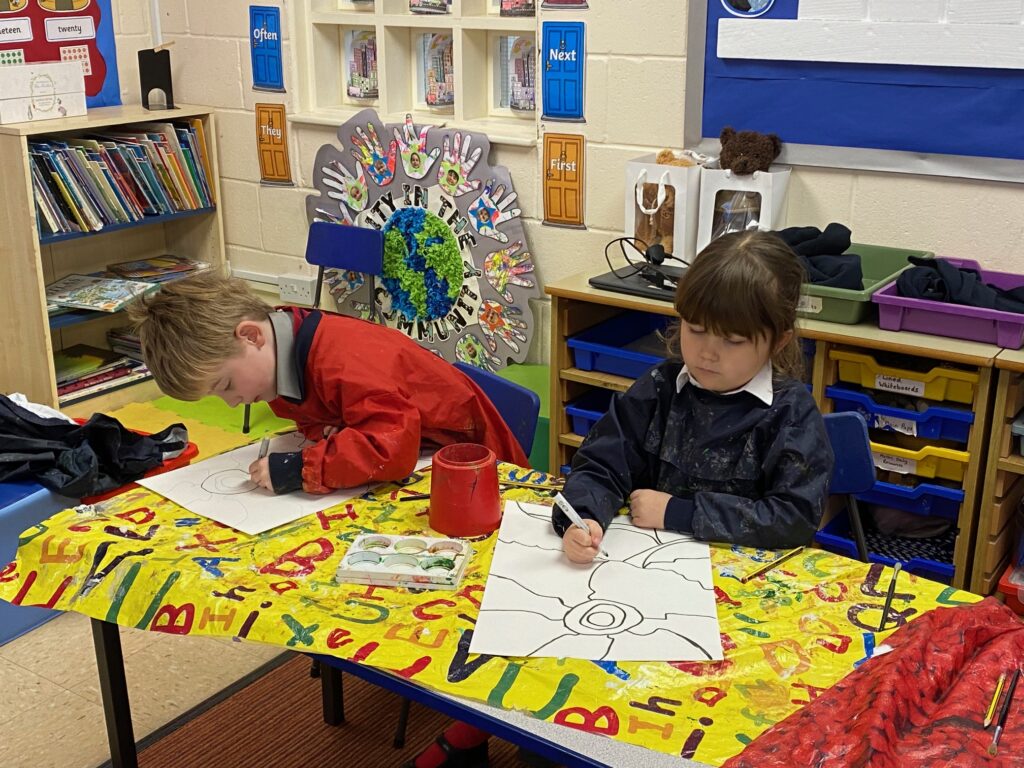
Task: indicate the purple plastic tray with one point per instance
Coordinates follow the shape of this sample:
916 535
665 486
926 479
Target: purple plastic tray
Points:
1005 329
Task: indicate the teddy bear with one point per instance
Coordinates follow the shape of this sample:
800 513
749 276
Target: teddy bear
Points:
744 152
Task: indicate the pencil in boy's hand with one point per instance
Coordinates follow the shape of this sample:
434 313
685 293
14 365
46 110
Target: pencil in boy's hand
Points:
889 594
768 566
264 447
995 700
1003 712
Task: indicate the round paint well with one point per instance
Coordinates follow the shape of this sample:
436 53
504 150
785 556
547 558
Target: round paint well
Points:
410 546
437 564
449 548
375 542
363 558
400 562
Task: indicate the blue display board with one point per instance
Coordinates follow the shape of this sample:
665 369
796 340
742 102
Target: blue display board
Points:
944 110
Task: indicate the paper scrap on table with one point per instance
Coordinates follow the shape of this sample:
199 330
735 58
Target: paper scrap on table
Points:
651 600
219 488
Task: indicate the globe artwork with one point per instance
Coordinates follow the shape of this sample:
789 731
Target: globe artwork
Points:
457 271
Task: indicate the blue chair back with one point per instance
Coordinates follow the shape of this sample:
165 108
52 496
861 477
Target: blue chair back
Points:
519 407
339 246
854 470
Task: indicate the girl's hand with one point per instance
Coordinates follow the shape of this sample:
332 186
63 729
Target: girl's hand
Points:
329 430
578 546
647 508
259 474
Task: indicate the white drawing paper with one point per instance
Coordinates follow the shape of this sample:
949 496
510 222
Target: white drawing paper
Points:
651 600
219 488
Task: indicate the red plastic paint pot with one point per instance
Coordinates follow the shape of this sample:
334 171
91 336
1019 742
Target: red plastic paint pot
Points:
464 498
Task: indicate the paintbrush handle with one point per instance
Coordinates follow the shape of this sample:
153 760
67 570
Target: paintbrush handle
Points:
768 566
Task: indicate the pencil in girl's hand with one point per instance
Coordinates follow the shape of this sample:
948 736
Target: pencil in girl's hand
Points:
995 700
1003 712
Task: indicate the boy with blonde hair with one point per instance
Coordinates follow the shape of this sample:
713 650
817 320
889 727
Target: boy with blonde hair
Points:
368 397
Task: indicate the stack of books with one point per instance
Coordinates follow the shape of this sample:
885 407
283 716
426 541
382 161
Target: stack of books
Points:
84 183
158 269
84 371
125 341
100 294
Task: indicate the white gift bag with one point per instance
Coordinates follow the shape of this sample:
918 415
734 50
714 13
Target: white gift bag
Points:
733 203
661 205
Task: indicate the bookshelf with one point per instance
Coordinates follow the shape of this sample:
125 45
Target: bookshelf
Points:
29 261
325 29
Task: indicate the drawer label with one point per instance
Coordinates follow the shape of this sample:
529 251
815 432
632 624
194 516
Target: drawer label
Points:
896 464
894 424
809 304
897 384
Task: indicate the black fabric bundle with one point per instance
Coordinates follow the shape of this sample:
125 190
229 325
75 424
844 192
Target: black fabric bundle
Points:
78 461
824 255
940 280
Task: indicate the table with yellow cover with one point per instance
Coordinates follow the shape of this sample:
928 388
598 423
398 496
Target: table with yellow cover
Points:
142 561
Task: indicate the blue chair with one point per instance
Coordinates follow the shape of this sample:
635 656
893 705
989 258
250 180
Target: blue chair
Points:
518 406
338 246
854 470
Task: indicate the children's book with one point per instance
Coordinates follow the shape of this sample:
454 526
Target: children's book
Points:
158 268
82 360
100 294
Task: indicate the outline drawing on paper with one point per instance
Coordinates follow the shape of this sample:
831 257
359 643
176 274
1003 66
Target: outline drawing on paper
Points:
651 600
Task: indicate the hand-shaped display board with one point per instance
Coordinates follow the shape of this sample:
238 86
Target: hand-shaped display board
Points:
458 273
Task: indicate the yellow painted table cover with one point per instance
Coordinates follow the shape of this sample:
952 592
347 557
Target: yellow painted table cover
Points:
142 561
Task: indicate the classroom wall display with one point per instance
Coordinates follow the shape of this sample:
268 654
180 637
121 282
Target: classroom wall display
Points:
564 155
361 54
563 53
564 5
649 598
845 83
517 8
142 561
458 273
437 70
64 30
265 48
519 65
429 6
272 144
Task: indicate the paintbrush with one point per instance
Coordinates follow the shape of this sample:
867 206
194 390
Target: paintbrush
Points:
1003 712
889 594
768 566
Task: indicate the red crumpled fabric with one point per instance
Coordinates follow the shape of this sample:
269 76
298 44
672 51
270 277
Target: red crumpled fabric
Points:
922 704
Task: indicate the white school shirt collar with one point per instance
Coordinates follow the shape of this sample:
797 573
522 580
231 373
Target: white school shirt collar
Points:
760 386
284 342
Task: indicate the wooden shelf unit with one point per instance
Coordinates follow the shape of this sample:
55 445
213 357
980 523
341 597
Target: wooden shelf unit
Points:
576 306
1004 476
475 26
27 266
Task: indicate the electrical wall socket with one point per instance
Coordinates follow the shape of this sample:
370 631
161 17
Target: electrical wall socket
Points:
296 288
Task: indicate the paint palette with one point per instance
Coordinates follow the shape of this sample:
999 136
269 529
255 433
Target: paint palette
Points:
404 561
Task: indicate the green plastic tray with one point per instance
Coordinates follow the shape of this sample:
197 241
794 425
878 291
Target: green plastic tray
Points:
880 265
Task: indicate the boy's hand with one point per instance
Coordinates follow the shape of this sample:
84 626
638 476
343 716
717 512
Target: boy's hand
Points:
647 508
329 430
578 546
259 473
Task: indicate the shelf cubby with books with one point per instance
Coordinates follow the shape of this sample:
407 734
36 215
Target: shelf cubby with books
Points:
385 56
118 165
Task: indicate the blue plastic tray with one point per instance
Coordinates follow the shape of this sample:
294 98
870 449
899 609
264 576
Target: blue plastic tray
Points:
837 537
924 499
936 422
602 348
586 410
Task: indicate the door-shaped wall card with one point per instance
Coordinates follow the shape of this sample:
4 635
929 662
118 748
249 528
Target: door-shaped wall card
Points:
272 142
563 179
563 54
265 46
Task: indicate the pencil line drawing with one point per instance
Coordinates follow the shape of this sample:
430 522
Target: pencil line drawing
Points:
652 599
219 488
